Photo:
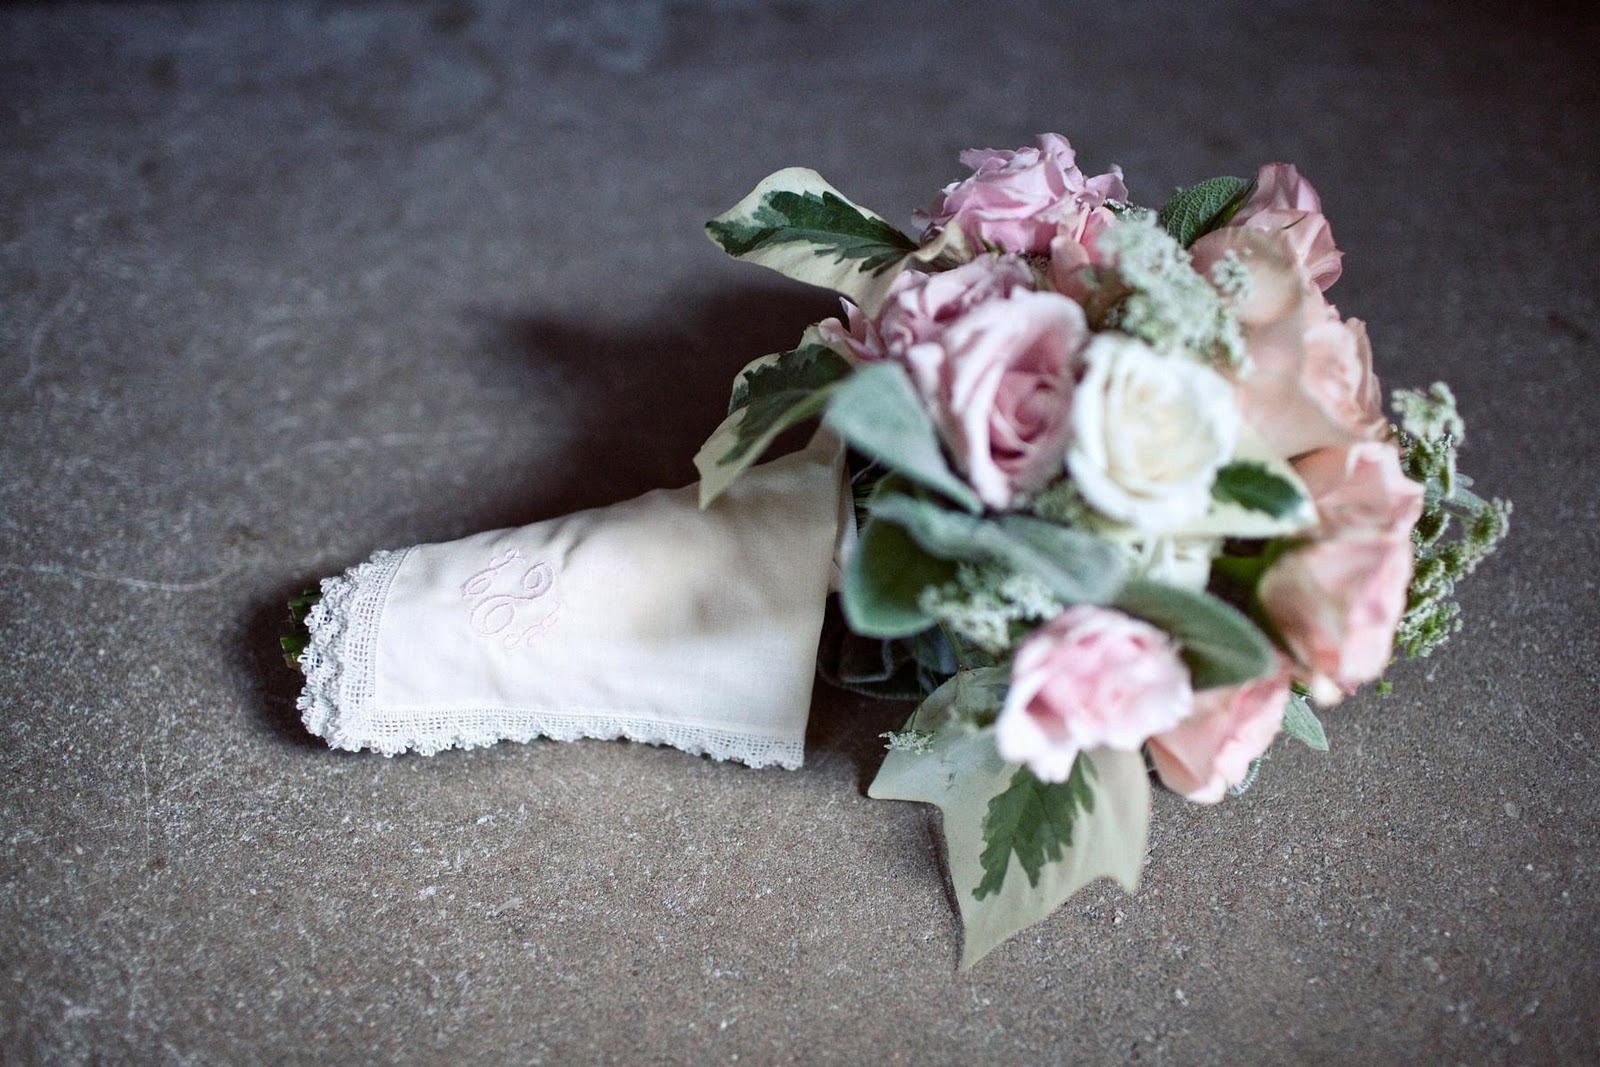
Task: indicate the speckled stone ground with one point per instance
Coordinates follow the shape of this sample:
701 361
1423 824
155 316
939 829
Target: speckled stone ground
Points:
283 284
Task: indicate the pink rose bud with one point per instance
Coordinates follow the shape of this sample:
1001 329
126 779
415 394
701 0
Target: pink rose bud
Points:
1020 201
856 338
1360 489
1286 202
1090 677
1336 604
1212 749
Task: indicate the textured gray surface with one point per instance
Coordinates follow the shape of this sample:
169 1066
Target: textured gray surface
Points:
280 285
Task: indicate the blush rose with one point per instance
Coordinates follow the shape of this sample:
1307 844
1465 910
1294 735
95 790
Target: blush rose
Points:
1212 749
1309 383
1285 202
1336 603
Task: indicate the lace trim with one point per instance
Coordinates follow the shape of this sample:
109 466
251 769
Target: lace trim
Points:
337 702
340 658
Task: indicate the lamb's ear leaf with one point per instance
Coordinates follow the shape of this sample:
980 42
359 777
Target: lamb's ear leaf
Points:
878 412
1219 643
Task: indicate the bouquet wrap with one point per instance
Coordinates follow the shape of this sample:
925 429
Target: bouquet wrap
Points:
651 620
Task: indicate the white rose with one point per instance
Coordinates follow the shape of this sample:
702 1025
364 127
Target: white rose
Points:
1149 432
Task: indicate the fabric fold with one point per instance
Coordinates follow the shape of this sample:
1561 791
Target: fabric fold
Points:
649 620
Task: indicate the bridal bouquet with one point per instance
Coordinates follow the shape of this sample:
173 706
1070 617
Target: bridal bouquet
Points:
1111 492
1127 499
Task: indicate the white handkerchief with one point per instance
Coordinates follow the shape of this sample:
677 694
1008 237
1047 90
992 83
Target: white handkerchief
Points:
650 620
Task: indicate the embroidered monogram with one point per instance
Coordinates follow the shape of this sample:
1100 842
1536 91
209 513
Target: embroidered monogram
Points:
512 601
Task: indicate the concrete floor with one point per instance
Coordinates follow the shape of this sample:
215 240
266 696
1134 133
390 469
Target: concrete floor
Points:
284 284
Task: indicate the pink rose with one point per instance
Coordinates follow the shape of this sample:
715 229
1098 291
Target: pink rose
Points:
1021 201
1212 749
1285 202
920 307
1360 489
1336 604
1309 383
857 337
999 381
1088 678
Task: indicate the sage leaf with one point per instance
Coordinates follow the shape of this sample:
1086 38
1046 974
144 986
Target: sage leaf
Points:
1196 211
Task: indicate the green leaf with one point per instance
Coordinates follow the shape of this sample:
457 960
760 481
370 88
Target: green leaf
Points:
770 395
1196 211
797 224
744 435
884 580
295 641
1254 487
962 773
878 412
1301 723
1219 644
806 369
1078 567
1033 820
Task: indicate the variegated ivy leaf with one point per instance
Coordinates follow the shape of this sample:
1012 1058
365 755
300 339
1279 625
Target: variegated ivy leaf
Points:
800 226
962 773
770 395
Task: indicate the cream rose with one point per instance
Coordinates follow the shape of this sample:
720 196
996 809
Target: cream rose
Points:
1149 433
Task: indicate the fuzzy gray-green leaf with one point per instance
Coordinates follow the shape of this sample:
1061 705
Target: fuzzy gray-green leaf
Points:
1077 567
878 412
1220 645
1302 724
